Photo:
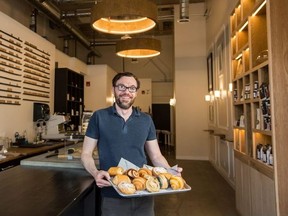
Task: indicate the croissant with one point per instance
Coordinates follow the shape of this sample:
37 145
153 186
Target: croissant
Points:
132 173
158 170
115 170
163 181
126 187
121 178
152 185
139 183
177 182
144 172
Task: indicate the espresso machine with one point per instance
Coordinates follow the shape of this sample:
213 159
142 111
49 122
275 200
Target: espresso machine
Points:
48 127
55 127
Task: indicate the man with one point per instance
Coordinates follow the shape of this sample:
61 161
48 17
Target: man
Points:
121 131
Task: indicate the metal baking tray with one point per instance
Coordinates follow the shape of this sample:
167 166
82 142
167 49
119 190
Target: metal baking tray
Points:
147 193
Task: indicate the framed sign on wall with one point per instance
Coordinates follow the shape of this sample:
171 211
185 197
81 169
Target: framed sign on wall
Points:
210 71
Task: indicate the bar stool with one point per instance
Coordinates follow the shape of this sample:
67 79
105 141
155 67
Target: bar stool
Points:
158 135
167 138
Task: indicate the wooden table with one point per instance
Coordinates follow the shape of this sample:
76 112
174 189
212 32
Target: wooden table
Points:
26 190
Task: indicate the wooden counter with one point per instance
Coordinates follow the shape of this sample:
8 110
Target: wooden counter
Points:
26 190
16 154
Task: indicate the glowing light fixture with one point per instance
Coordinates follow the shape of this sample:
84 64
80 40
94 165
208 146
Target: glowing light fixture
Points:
243 27
259 8
138 48
124 16
172 101
207 97
230 87
217 94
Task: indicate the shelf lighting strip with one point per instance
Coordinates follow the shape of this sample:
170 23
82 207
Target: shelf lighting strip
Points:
259 8
243 27
239 56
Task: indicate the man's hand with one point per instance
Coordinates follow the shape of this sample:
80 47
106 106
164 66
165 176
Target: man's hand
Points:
101 177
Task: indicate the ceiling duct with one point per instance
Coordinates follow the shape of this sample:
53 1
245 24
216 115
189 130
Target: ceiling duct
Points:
184 11
55 15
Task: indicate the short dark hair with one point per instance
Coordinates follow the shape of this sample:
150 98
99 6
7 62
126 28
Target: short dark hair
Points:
127 74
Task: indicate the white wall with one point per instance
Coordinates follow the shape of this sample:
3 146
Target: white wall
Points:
19 118
191 86
219 12
144 96
162 92
98 87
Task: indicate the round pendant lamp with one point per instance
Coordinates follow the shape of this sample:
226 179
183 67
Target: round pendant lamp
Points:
138 48
124 16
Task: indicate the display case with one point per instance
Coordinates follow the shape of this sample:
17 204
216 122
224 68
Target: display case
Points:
69 95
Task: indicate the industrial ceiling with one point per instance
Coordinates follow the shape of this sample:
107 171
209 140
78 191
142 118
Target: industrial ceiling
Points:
74 15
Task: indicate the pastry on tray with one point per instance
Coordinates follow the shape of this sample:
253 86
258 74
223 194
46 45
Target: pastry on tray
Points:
132 173
121 178
139 183
152 185
146 181
158 170
177 182
115 170
126 187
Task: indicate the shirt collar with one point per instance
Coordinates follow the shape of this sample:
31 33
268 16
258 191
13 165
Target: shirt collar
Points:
135 111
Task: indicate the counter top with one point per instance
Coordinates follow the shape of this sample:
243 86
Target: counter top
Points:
15 154
68 161
26 190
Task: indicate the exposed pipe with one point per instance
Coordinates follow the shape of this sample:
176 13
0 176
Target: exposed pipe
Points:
55 15
184 11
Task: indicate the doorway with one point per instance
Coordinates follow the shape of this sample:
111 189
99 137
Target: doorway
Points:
161 118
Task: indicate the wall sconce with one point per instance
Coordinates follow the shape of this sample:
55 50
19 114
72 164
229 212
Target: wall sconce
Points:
230 87
172 101
138 48
208 97
124 16
217 93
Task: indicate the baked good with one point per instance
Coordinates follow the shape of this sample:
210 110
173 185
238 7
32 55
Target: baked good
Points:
158 170
152 185
167 175
176 182
139 183
115 170
163 181
126 188
145 172
132 173
120 178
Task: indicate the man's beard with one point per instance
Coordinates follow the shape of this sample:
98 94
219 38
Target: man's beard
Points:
124 105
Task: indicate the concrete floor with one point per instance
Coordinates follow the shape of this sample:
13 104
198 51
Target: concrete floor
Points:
211 195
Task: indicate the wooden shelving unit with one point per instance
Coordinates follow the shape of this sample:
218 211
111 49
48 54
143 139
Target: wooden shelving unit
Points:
69 95
250 77
253 147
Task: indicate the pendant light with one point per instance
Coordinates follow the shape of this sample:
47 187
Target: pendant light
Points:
124 16
138 48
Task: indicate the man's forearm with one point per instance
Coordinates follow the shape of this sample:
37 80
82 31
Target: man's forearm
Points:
89 164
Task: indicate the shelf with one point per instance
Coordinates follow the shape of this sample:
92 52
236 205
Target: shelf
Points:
268 133
36 48
256 164
69 94
250 77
